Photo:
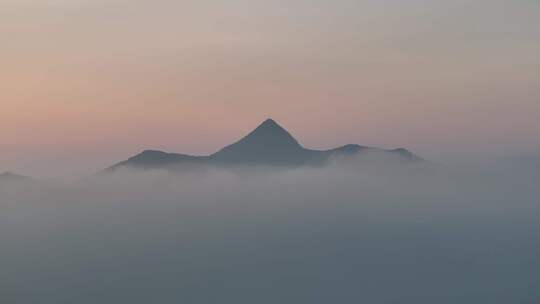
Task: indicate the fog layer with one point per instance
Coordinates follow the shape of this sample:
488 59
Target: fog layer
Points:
351 232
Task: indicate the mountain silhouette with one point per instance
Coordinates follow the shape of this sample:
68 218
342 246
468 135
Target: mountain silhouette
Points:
8 177
269 144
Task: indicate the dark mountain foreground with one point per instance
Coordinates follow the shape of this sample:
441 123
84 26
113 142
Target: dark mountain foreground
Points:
8 177
268 145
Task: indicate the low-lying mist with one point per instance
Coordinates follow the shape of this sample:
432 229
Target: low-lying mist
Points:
355 231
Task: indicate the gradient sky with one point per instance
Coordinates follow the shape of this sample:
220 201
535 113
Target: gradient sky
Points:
86 83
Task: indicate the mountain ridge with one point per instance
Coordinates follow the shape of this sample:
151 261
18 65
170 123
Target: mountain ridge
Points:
268 144
13 177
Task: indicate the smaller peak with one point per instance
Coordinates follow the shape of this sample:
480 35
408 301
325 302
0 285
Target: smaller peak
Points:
149 152
350 148
402 151
13 176
407 154
9 174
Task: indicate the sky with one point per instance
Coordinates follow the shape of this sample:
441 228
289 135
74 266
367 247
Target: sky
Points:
87 83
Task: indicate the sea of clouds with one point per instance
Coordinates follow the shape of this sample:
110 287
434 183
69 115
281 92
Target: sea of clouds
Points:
355 231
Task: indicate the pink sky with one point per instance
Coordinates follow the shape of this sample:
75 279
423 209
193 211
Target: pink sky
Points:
84 84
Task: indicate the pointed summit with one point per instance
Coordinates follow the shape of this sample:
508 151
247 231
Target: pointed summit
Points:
268 143
271 133
270 123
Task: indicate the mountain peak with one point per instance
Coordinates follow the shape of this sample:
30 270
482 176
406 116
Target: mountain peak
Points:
10 176
269 134
270 124
268 142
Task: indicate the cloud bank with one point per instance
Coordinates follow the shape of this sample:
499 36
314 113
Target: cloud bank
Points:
357 231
